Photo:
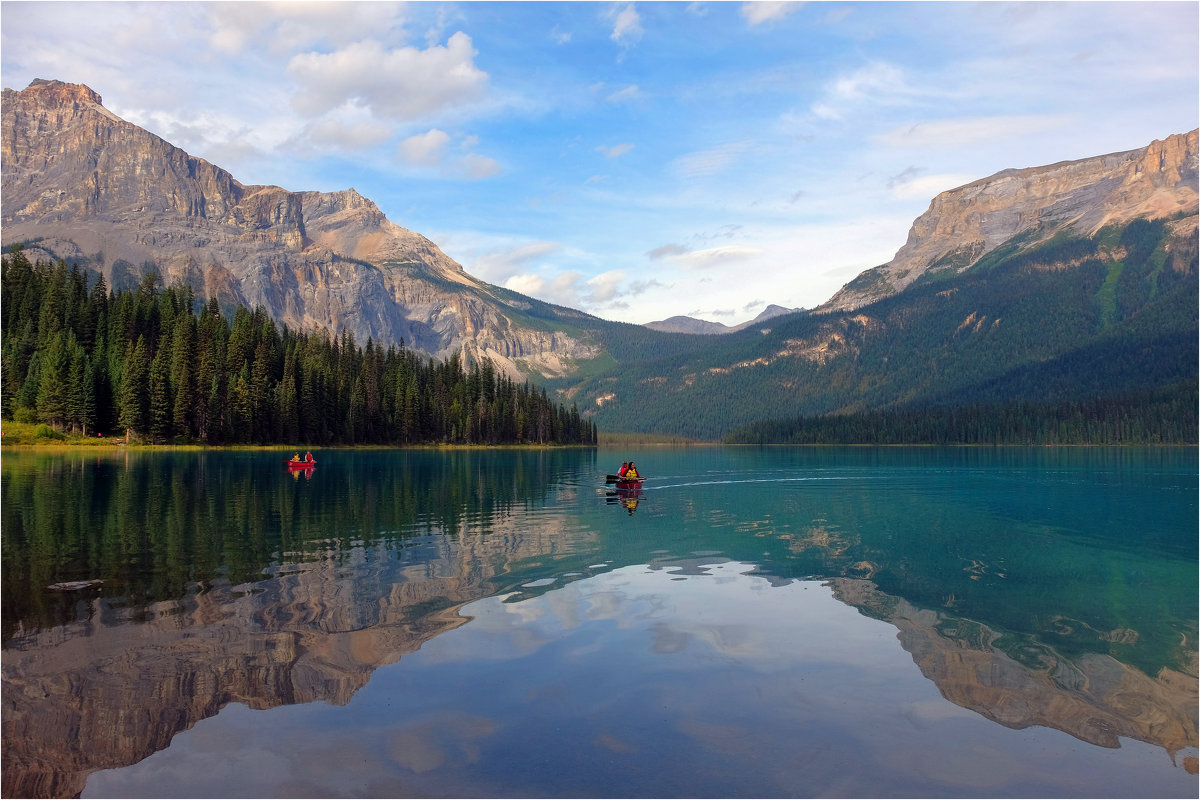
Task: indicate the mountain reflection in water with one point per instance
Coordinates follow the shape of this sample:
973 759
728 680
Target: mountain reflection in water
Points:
226 581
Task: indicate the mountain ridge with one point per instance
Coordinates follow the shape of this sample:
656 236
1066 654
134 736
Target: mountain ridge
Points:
1065 321
81 184
686 324
75 187
964 224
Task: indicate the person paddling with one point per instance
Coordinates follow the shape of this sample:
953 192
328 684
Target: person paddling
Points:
308 457
631 472
624 468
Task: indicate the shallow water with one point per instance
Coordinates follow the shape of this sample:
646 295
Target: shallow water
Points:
770 622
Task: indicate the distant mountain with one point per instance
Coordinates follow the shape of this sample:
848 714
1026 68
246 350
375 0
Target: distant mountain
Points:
683 324
1047 284
81 184
1067 321
1051 285
1069 198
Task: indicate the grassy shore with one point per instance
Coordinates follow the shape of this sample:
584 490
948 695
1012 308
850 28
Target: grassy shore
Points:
29 434
40 436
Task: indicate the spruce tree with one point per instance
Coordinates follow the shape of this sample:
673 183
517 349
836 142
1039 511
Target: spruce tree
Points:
160 405
52 394
134 402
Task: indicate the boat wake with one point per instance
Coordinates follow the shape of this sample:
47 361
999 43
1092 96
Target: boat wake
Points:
732 481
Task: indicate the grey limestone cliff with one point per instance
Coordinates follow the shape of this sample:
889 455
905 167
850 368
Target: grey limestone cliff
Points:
964 224
81 184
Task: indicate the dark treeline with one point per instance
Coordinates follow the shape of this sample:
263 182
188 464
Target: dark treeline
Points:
1162 417
161 366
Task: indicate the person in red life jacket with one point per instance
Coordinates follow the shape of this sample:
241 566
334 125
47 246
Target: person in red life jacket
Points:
308 457
624 468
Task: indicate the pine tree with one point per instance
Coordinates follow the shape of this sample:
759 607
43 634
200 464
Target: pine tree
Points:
183 381
160 401
240 412
81 392
262 418
287 402
54 380
134 403
50 315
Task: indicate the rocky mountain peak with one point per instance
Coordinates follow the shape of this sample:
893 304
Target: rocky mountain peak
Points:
81 184
57 93
964 224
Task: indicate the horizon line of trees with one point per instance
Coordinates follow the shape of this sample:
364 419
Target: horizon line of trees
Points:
157 365
1165 416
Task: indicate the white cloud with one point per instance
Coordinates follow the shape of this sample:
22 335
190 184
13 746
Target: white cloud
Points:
826 111
627 26
606 287
757 12
432 150
938 134
667 251
477 167
346 136
623 95
875 78
404 83
704 259
608 290
563 289
503 261
425 149
929 186
616 151
527 284
710 161
611 289
876 84
446 15
285 27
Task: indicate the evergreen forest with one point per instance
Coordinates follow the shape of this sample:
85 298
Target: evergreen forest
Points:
1160 417
155 364
1051 337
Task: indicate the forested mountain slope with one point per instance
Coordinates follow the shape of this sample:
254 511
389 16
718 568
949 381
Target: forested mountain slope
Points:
1071 318
153 365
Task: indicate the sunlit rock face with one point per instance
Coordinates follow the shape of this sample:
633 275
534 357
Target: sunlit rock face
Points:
964 224
81 184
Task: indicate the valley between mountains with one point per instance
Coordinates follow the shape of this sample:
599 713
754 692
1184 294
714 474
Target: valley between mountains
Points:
1068 288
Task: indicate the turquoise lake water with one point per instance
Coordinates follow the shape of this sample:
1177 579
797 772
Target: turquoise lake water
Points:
755 622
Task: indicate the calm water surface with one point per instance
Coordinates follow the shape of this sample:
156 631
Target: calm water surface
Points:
755 623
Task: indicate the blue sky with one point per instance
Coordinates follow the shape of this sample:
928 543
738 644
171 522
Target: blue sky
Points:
634 160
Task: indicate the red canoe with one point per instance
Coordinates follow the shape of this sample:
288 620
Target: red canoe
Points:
299 464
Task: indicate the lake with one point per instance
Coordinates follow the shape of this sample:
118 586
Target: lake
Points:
755 622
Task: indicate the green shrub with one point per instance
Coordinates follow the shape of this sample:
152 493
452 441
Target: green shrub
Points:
44 431
26 415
